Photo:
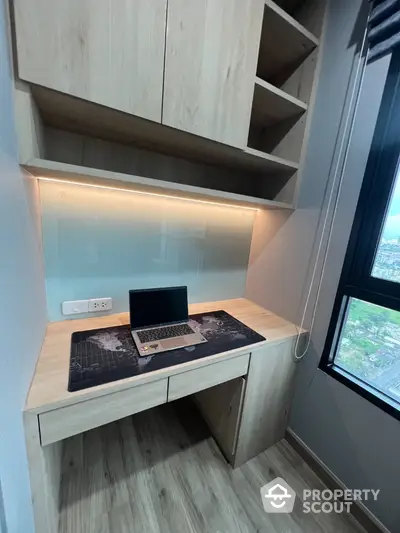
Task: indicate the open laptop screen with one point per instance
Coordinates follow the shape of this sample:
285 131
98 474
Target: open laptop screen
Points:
153 307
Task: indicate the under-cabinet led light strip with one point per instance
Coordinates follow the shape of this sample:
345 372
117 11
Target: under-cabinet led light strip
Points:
82 184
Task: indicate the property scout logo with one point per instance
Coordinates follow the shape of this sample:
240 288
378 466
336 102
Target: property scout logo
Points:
279 497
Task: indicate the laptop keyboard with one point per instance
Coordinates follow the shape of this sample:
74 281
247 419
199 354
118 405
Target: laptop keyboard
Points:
150 335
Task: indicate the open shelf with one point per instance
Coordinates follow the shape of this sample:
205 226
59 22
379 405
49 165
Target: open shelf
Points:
285 44
285 79
277 123
263 155
271 105
69 113
308 13
273 162
104 178
283 138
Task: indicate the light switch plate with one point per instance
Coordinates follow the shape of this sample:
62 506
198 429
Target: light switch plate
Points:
75 307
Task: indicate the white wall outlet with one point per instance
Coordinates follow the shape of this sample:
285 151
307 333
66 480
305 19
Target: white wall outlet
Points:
75 307
100 304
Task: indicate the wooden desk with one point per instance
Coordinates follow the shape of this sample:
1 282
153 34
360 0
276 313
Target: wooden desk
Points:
244 395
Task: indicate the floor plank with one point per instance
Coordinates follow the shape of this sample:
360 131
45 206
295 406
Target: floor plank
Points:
162 472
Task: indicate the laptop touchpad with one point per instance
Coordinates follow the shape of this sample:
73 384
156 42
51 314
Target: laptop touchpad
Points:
176 342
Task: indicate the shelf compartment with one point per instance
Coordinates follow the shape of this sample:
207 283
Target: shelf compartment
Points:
282 139
104 178
259 154
284 45
272 105
277 123
64 112
308 13
273 161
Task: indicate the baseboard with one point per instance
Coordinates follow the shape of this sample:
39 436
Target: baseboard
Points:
358 510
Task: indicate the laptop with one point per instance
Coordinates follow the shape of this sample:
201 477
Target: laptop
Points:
160 320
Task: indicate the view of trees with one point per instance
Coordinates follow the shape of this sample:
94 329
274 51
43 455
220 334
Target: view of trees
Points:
370 344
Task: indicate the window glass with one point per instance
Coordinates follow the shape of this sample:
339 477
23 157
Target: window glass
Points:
387 259
369 346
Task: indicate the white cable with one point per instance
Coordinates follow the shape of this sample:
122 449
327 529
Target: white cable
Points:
338 174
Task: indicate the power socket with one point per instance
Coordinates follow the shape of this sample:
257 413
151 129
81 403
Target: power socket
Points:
97 305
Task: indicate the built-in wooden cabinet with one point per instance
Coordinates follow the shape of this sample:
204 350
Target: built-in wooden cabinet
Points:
226 85
210 64
285 82
248 415
104 51
189 64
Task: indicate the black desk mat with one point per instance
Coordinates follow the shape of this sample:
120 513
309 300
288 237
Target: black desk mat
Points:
103 355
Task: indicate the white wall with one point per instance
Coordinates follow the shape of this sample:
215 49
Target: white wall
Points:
356 441
22 311
100 243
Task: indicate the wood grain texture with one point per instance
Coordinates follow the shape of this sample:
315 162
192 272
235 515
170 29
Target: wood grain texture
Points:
288 138
82 150
111 53
298 81
221 407
309 13
52 456
67 421
308 82
45 476
272 105
284 42
211 58
28 124
199 379
49 384
72 114
161 472
270 386
105 178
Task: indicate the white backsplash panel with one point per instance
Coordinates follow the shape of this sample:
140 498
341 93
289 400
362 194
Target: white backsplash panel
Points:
104 242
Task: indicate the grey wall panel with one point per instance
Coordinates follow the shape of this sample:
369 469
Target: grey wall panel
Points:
357 441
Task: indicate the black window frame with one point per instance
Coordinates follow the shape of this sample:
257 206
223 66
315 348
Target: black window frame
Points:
356 280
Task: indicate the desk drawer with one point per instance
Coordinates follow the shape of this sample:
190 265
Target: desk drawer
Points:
207 376
71 420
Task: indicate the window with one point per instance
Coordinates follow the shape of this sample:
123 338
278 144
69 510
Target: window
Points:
362 348
387 259
369 346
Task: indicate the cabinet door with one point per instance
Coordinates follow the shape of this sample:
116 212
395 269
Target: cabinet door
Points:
110 52
221 407
211 60
269 393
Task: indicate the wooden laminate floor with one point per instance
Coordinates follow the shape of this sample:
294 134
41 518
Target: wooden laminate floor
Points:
160 471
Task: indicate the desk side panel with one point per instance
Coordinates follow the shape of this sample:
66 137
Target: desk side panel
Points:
268 398
45 476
